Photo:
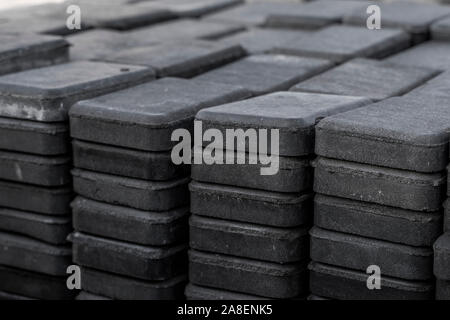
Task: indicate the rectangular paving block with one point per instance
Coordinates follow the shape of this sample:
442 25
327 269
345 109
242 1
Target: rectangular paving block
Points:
126 162
446 215
279 245
194 292
182 58
5 296
294 114
33 255
124 117
250 73
266 279
249 205
440 30
26 197
46 94
34 285
442 290
37 170
49 229
340 43
134 193
442 257
124 288
398 133
132 260
344 284
375 221
136 226
84 295
26 51
394 260
373 79
385 186
436 88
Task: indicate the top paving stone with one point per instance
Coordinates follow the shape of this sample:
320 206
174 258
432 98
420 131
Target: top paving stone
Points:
373 79
436 88
404 133
294 114
46 94
340 43
440 30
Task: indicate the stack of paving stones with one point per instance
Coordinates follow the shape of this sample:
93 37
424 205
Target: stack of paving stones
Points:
131 212
380 181
248 231
35 163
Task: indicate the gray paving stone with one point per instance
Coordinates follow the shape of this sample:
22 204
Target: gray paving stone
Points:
247 276
252 206
183 58
343 284
279 245
373 79
340 43
48 139
50 201
28 254
84 295
294 114
129 192
46 94
132 260
125 288
194 292
49 229
126 162
442 290
251 72
385 186
5 296
440 30
34 285
124 117
20 52
447 215
37 170
316 298
394 260
442 257
397 133
430 54
130 225
434 89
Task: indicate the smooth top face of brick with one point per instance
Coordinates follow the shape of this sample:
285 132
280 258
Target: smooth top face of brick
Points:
159 103
252 72
413 17
340 43
191 8
373 79
440 30
431 54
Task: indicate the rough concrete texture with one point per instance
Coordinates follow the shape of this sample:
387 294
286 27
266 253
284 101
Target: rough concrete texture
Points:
340 43
46 94
124 288
294 174
28 254
123 118
134 193
251 206
434 89
446 215
373 79
182 58
442 290
84 295
132 260
396 133
20 52
442 257
4 296
194 292
247 276
440 30
385 186
53 230
344 284
358 253
126 162
279 245
375 221
34 285
130 225
37 170
317 298
251 72
48 139
294 114
431 54
50 201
